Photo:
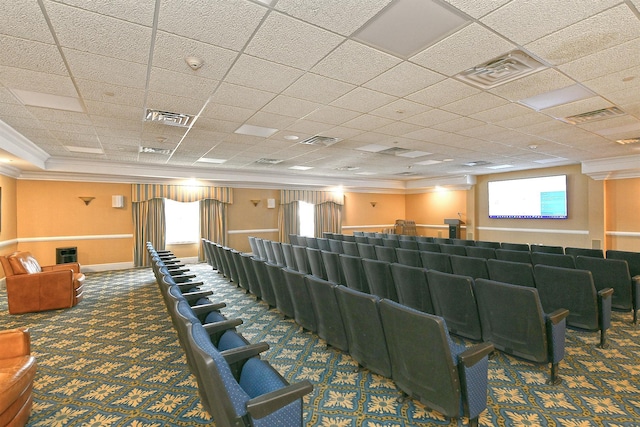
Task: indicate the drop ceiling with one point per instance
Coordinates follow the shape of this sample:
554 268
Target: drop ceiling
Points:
78 78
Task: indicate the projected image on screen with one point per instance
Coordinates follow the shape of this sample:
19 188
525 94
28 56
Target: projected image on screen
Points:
530 198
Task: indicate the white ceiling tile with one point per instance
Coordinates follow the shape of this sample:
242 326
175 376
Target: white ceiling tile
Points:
530 118
332 115
468 47
531 85
31 55
178 84
262 75
289 106
308 127
24 19
426 134
35 81
524 21
628 79
272 120
170 51
432 117
209 22
216 125
291 42
91 32
100 68
400 109
604 62
138 12
59 115
174 104
474 104
313 87
354 63
398 128
457 125
335 15
227 112
502 112
363 100
477 8
109 93
587 37
442 93
404 79
367 122
241 96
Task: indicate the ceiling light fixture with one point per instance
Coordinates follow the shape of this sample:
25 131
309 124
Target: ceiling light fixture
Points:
557 97
252 130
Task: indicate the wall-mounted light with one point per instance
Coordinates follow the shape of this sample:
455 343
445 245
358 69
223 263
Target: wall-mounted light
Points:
373 204
255 202
86 199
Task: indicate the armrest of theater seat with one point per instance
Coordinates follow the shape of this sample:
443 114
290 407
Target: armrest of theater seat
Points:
635 296
181 278
74 266
224 325
604 304
268 403
14 343
187 285
556 329
235 355
473 355
558 315
195 296
204 309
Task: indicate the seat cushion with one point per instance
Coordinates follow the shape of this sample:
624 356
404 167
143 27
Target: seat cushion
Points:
16 377
24 263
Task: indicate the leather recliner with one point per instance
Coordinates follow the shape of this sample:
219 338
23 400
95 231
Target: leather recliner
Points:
32 288
17 371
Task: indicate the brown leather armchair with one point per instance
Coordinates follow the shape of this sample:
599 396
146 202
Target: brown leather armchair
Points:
32 288
17 371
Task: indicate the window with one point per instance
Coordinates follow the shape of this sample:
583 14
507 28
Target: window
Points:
183 221
306 215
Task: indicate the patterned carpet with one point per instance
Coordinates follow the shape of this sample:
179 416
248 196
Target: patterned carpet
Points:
114 360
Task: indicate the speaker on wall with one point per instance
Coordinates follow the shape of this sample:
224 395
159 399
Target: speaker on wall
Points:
117 201
271 203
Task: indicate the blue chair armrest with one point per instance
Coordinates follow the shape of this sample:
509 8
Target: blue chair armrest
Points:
268 403
556 327
240 354
204 309
224 325
473 367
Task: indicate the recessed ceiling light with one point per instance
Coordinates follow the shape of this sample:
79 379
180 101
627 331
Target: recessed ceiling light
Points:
210 160
447 160
347 168
409 26
265 161
500 167
414 154
46 100
87 150
373 148
551 160
557 97
301 168
366 173
255 131
291 137
428 162
628 141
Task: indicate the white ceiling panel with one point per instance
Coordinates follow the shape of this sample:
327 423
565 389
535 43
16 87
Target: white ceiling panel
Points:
262 75
109 93
178 84
404 79
31 55
24 19
442 93
477 8
363 100
241 96
102 69
531 85
313 87
35 81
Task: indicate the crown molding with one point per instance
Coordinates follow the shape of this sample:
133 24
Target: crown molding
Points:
612 168
17 144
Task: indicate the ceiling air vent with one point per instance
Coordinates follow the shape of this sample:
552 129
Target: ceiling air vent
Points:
478 163
406 174
592 116
628 141
324 141
265 161
347 168
167 118
152 150
394 151
513 65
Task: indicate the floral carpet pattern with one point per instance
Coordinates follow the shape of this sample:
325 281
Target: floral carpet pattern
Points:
114 360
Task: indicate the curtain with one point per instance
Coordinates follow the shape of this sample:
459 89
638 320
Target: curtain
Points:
149 226
288 221
328 218
213 223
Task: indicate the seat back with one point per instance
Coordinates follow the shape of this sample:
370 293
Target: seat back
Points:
361 238
512 319
409 257
557 260
278 253
452 249
594 253
610 273
289 258
475 268
547 249
463 242
311 242
363 326
436 261
280 290
333 267
302 260
480 252
323 243
264 282
421 361
391 242
327 312
335 246
571 289
386 253
252 279
632 258
243 281
429 246
233 271
262 253
366 250
354 276
375 241
304 313
513 256
349 238
350 248
515 246
515 273
254 246
268 249
379 278
408 244
485 244
316 264
412 287
454 300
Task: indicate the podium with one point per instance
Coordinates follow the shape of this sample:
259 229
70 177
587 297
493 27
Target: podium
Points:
454 227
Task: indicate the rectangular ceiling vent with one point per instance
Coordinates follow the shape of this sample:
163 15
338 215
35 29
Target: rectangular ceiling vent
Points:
324 141
168 118
265 161
592 116
394 151
406 174
513 65
347 168
477 163
629 141
153 150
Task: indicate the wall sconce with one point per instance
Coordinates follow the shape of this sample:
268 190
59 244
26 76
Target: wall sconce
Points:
255 202
86 199
373 204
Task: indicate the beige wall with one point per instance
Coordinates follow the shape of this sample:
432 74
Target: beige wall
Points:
244 219
622 201
429 211
359 215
